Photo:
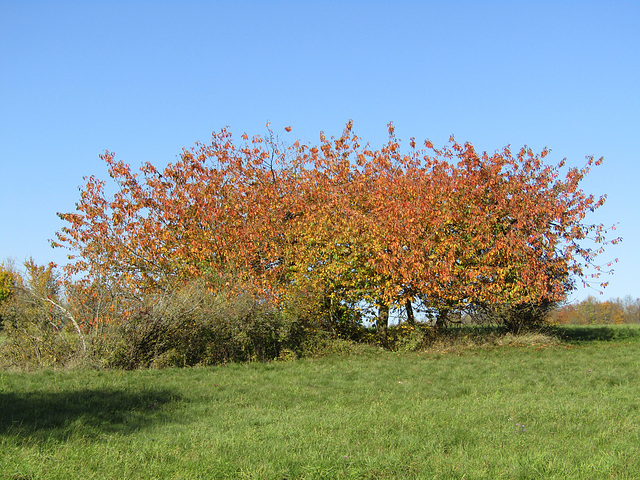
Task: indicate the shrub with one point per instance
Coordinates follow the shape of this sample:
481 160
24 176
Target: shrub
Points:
194 325
9 279
518 317
39 331
406 337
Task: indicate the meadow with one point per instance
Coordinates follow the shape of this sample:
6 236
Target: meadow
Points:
561 407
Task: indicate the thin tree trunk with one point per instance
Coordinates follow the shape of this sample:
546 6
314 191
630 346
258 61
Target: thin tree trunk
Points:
382 324
411 319
442 317
73 320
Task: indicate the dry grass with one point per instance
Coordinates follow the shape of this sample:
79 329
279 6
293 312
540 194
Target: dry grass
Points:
456 342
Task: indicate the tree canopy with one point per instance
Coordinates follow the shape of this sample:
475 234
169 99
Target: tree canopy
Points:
448 226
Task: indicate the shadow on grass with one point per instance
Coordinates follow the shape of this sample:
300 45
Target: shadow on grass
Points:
564 333
596 333
60 416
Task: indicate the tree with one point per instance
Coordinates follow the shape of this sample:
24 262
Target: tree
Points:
36 320
6 282
8 279
343 223
592 311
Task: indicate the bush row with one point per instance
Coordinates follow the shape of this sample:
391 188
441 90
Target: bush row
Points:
195 324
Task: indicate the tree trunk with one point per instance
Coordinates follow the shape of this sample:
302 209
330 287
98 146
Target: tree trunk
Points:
411 319
382 324
441 317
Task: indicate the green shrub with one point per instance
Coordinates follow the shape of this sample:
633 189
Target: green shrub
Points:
517 318
6 282
38 329
196 326
8 278
406 337
323 343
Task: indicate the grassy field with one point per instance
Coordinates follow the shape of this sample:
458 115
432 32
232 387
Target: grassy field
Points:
543 410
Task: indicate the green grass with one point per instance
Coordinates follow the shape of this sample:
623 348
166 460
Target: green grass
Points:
568 410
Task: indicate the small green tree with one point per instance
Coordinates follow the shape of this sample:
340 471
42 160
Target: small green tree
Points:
39 329
8 278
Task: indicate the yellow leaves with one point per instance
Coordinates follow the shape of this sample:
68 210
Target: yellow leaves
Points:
7 280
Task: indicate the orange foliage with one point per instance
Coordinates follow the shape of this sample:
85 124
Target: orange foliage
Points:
449 226
593 312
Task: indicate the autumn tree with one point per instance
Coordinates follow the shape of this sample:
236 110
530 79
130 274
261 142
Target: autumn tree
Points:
343 223
591 311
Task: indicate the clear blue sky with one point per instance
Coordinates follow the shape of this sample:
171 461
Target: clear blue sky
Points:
146 78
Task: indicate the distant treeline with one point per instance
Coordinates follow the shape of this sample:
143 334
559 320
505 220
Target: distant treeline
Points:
592 311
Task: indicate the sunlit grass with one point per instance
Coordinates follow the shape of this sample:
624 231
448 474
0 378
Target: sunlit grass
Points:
527 409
